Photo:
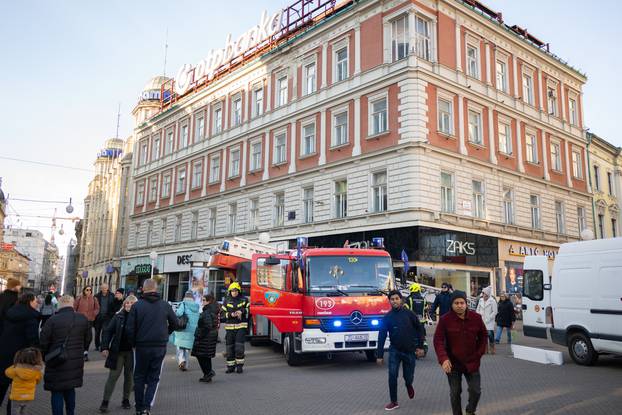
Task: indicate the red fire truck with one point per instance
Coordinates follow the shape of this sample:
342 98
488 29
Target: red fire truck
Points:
314 300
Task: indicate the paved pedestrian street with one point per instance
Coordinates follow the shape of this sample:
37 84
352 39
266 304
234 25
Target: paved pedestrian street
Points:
348 384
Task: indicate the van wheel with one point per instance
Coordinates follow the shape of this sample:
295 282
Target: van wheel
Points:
581 350
371 355
291 357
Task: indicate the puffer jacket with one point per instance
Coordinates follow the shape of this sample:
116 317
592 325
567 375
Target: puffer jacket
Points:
114 339
206 334
25 379
21 329
185 338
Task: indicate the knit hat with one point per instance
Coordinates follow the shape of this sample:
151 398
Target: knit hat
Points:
12 283
487 290
458 294
121 291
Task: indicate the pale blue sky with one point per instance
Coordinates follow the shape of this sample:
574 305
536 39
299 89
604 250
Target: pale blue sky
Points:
65 66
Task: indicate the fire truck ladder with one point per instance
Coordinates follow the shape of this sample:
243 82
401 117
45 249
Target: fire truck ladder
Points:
244 248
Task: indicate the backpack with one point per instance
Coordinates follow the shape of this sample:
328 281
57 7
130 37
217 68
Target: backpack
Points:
47 310
183 320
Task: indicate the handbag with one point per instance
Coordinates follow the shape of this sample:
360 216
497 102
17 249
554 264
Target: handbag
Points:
183 321
58 355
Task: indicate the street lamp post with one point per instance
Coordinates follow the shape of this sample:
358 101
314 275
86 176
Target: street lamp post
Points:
153 255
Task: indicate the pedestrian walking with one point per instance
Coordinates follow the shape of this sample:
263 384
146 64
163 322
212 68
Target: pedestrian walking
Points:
25 374
442 302
506 316
20 330
235 309
8 298
117 303
205 337
149 323
406 335
188 311
62 340
88 306
119 356
460 342
105 299
487 308
48 308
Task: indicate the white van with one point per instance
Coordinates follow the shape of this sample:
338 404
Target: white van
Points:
579 305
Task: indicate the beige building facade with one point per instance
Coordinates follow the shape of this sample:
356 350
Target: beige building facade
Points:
431 123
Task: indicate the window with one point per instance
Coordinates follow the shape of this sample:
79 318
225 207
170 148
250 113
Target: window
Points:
505 138
212 221
272 276
184 136
156 149
378 116
614 228
556 158
472 57
199 129
166 185
610 183
279 209
341 64
237 111
533 287
423 40
258 102
256 155
577 171
528 89
531 146
144 152
234 163
163 231
310 78
582 221
170 142
217 120
140 193
399 38
447 192
572 110
197 174
601 225
308 140
149 233
559 216
214 170
502 76
281 91
177 235
194 228
597 178
535 211
479 200
552 100
445 116
379 191
341 199
340 136
253 211
475 127
280 144
153 189
181 181
307 204
508 206
232 217
136 235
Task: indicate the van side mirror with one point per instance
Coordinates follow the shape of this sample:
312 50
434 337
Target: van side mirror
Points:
547 287
272 261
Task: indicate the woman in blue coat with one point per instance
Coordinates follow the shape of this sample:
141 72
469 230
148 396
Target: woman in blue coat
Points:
184 339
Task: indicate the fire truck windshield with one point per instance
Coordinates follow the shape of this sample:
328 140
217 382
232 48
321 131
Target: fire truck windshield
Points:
348 275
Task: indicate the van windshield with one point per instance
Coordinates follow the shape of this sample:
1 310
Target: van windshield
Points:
349 275
533 285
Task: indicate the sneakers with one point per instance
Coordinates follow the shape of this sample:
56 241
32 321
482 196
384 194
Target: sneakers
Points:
391 406
205 379
103 408
230 369
125 404
239 369
183 366
411 391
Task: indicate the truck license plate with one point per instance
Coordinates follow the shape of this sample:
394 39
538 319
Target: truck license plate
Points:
357 337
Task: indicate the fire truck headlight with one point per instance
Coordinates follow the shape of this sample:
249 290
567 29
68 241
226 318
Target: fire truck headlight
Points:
375 322
337 323
315 340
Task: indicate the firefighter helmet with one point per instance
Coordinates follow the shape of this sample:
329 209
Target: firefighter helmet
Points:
415 288
234 286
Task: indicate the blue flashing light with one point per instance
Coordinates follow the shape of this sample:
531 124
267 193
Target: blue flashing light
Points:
377 242
302 242
337 323
375 322
225 245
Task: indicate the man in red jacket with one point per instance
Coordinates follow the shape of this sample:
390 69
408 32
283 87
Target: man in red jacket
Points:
460 342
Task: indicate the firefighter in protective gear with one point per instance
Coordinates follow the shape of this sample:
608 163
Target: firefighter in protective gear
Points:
417 304
235 312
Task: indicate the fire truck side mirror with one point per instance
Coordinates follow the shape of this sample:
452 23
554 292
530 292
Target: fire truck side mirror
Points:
272 261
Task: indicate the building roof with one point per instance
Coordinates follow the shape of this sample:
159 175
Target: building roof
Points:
155 83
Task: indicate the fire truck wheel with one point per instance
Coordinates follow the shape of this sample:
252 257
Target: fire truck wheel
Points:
291 357
371 355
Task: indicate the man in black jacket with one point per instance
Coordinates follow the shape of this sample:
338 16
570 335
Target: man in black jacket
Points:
8 298
106 311
406 336
442 302
149 323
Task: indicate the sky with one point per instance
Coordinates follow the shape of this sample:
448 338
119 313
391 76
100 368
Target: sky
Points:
66 66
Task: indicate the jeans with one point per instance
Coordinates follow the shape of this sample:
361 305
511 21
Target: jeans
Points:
455 391
125 363
66 398
408 370
491 337
508 330
99 324
182 355
20 407
148 362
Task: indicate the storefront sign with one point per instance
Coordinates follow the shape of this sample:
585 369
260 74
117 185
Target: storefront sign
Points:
184 259
522 250
460 247
440 245
142 269
267 27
